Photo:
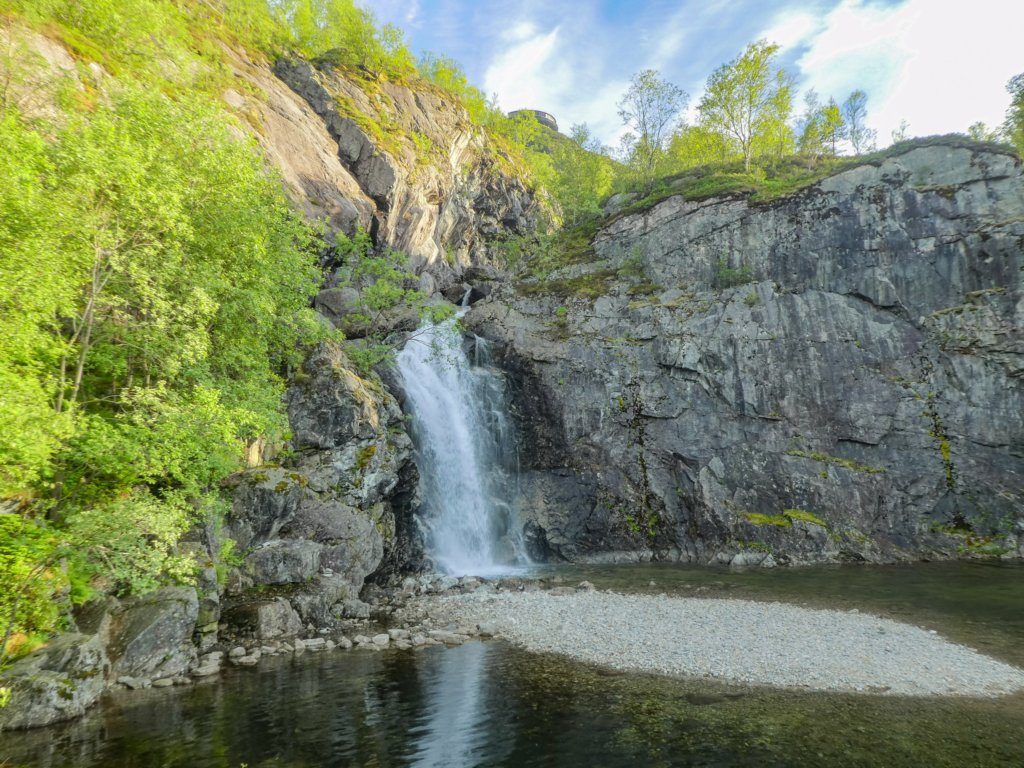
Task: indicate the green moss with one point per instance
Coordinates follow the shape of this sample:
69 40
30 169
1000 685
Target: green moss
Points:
759 519
837 461
364 457
643 289
589 285
282 486
803 516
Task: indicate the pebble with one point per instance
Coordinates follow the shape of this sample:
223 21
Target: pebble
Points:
759 643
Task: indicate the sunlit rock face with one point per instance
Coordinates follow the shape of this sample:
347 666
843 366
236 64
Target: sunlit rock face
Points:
836 374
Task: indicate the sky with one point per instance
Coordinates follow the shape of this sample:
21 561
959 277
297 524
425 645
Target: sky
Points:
940 65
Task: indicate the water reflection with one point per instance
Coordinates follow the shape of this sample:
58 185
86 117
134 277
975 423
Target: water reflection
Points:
487 704
456 727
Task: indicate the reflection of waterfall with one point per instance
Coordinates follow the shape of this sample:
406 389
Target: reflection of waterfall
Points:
459 715
464 450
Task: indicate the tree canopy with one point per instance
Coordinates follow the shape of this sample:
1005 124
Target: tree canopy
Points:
748 100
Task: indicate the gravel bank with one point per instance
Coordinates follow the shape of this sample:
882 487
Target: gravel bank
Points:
738 641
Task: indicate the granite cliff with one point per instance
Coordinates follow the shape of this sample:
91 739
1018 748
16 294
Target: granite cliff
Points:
832 375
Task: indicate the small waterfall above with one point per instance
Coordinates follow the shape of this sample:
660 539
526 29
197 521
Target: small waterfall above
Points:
465 452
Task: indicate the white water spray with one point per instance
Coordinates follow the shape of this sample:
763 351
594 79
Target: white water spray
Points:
465 453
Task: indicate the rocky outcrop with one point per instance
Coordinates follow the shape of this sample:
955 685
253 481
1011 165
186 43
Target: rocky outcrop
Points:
837 374
405 164
309 534
57 683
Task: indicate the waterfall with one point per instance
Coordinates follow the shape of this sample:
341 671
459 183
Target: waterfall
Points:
465 452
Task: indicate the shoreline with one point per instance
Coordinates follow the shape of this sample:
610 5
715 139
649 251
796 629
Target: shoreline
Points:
736 641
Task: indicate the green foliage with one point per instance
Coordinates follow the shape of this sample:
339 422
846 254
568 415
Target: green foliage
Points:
583 176
345 35
649 109
757 518
749 101
803 516
154 287
1013 128
854 110
730 277
837 461
385 287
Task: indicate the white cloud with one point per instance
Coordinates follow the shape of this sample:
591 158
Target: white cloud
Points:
939 64
521 74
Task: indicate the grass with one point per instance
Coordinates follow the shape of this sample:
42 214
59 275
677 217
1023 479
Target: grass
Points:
756 518
837 461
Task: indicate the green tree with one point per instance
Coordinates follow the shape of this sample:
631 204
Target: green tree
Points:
694 145
583 175
811 143
649 108
833 127
981 132
154 287
1013 127
854 113
901 132
748 99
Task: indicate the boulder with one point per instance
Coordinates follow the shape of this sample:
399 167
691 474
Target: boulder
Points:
265 619
58 682
151 636
284 561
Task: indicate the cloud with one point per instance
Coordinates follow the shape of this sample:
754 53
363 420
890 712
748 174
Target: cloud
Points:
939 64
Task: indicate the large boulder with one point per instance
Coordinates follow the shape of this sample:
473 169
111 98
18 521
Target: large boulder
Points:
56 683
151 635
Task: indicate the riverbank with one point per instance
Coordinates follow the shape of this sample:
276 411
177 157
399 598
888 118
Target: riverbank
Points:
740 641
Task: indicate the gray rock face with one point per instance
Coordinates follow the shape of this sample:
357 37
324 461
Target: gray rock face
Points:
439 198
833 375
151 636
57 683
339 513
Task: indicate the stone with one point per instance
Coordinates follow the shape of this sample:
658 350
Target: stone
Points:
315 644
398 634
487 629
55 683
151 636
382 639
284 561
164 682
585 586
344 643
264 619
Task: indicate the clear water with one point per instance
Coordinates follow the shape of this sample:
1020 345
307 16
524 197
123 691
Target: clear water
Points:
488 704
465 452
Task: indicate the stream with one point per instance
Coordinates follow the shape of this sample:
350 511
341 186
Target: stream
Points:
490 704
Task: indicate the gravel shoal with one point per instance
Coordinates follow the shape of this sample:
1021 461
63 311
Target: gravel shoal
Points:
739 641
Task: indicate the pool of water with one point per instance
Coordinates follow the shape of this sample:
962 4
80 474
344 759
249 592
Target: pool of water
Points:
489 704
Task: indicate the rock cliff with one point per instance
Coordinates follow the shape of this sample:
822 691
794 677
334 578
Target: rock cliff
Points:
406 165
837 374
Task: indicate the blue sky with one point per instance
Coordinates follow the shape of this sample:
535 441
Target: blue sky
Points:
939 64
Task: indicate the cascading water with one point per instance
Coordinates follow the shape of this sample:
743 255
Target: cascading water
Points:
465 453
